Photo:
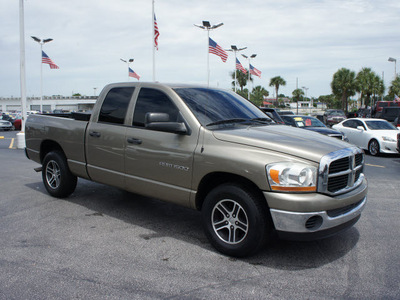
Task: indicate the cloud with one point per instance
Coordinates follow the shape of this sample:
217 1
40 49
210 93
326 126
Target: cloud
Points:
305 42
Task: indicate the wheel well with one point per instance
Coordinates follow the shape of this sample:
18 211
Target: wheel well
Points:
213 180
48 146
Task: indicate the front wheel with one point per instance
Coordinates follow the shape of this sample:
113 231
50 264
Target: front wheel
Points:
373 147
236 220
57 178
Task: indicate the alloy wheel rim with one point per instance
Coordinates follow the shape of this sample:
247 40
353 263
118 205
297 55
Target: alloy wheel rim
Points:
229 221
373 148
53 174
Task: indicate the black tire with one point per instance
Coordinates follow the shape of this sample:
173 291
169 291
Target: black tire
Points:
57 178
232 208
373 147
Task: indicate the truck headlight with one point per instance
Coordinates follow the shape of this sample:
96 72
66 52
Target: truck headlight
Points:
292 177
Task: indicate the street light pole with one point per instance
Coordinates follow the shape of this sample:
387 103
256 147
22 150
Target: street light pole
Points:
306 89
41 42
235 50
391 59
248 58
128 63
207 26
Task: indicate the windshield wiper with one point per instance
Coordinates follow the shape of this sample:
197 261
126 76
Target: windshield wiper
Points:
262 120
227 122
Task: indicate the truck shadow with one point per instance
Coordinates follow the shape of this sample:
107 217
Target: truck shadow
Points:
170 220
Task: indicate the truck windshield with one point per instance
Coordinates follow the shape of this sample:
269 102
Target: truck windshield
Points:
218 107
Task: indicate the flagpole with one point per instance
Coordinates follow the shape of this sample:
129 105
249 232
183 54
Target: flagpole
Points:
208 57
41 78
22 68
153 41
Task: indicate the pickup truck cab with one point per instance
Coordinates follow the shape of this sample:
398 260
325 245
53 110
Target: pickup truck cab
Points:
210 150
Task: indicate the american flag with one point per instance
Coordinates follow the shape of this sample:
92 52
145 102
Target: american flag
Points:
133 74
254 71
214 48
47 60
156 32
240 67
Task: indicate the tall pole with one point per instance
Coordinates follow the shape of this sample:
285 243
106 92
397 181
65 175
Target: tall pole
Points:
153 41
234 70
41 42
235 50
391 59
208 56
128 62
22 63
249 58
207 26
41 78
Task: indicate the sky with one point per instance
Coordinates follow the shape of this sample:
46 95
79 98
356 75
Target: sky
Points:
305 42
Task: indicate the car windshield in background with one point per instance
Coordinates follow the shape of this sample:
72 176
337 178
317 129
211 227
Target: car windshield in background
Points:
308 122
336 113
379 125
218 107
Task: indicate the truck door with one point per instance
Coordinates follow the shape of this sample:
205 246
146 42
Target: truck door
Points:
158 164
105 138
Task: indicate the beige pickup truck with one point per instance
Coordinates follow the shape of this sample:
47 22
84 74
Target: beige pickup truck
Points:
210 150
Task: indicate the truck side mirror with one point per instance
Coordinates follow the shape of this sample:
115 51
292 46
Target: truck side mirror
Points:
160 122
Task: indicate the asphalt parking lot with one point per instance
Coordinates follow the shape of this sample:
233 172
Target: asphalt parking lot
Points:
104 243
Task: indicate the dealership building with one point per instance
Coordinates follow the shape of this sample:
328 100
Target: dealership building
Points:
49 103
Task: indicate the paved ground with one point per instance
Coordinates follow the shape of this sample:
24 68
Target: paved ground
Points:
103 243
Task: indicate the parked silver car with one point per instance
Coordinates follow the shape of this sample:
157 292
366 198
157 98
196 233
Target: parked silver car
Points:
5 125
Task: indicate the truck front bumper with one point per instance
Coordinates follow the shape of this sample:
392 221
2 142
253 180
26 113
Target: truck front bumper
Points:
317 216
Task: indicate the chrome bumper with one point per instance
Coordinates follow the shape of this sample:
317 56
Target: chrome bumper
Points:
311 222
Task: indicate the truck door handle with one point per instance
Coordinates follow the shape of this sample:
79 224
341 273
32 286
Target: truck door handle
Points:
95 134
134 141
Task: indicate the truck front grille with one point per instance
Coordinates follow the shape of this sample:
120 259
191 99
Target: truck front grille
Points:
341 171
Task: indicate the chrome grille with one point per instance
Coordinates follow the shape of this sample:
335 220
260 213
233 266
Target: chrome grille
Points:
341 171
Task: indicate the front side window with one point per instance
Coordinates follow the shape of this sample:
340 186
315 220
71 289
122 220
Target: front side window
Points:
115 105
153 101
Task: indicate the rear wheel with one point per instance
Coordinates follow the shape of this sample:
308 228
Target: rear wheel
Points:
57 178
236 220
373 147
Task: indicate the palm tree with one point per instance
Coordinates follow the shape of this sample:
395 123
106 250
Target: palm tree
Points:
365 84
394 89
344 85
276 82
257 95
297 94
378 88
241 79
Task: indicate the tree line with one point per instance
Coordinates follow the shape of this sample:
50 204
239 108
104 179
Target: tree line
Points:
345 84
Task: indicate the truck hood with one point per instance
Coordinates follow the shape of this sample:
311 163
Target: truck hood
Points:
285 139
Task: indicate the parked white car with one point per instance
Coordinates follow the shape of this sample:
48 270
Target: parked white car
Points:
375 135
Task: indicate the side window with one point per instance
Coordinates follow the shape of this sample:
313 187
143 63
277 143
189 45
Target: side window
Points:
150 100
115 105
358 123
349 123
